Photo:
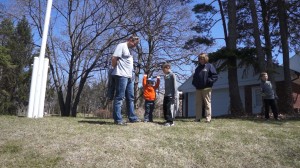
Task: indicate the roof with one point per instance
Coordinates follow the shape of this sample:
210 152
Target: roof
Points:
246 76
187 85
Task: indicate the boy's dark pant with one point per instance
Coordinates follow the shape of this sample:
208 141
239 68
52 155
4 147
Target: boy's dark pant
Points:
168 108
272 103
111 86
149 107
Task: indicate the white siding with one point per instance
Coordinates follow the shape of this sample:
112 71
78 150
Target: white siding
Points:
220 92
245 77
295 62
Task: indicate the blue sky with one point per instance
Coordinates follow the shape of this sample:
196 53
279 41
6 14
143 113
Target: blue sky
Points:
217 31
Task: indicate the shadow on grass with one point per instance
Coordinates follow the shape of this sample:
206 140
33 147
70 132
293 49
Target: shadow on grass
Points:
112 123
263 121
186 119
96 122
256 119
260 119
162 123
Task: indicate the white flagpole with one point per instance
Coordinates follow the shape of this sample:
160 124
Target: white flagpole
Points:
32 87
37 95
43 88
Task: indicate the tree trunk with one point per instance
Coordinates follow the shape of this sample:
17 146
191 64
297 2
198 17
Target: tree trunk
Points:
268 44
136 80
61 103
59 92
68 100
287 97
78 94
223 22
236 105
256 34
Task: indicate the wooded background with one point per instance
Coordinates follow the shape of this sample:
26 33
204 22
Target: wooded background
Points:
84 33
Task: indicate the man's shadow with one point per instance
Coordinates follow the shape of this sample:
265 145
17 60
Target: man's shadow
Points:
96 122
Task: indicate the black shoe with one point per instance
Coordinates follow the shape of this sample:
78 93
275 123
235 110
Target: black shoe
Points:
197 120
135 121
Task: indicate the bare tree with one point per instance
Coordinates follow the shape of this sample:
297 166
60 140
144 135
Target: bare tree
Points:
81 38
164 34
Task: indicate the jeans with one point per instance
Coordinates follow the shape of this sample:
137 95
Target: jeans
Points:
149 107
123 89
168 108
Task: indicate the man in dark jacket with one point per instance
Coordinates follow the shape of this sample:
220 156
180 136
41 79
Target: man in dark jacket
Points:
203 79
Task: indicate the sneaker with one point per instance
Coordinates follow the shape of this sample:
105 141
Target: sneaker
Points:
167 124
122 123
197 120
277 119
145 121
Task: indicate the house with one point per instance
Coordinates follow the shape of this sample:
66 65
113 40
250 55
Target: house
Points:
249 87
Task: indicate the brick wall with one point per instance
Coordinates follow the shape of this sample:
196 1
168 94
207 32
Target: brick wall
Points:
280 93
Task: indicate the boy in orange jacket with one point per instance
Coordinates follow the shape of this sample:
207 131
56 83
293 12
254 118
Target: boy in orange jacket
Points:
150 87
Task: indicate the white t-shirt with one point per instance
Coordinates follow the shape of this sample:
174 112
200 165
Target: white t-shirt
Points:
125 63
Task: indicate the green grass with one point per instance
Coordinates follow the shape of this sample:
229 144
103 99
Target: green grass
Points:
91 142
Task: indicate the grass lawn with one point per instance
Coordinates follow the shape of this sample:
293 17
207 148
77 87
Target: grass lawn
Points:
92 142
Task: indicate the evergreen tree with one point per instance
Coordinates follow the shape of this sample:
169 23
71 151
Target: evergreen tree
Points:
15 81
21 52
6 32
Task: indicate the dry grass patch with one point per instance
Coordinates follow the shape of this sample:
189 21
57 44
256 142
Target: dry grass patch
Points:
91 142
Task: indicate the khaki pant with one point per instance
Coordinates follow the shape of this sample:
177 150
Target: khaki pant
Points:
203 96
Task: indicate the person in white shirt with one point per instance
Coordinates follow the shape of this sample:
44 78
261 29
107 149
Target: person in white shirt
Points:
122 63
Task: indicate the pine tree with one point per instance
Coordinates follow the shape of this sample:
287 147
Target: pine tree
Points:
6 32
16 79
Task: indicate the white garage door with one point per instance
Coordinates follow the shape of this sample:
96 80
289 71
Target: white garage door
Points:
191 104
220 102
256 100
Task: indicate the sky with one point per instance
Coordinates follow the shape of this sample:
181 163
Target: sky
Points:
216 32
